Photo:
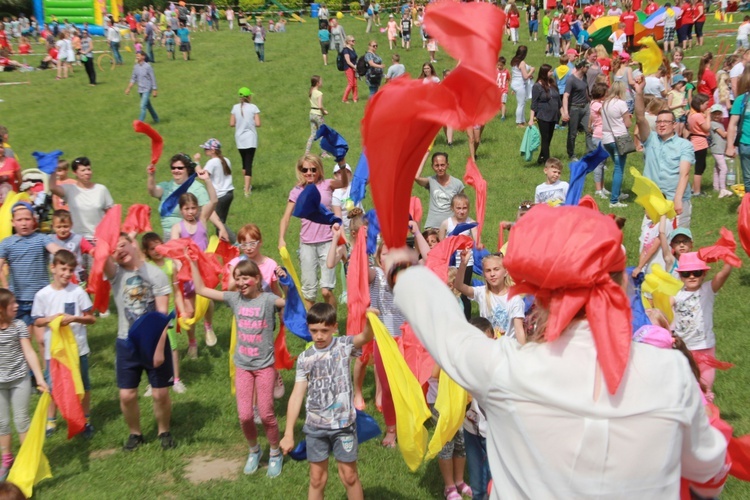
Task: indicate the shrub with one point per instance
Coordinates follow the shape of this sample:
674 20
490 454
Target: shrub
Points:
251 5
354 7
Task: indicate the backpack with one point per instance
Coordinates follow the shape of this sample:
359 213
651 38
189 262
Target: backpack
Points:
362 66
341 62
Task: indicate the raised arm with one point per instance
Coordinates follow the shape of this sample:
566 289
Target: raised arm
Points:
154 190
420 244
202 289
644 129
367 335
422 181
458 281
54 187
721 277
208 209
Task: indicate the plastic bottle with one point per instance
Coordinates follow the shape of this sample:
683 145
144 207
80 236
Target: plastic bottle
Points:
731 173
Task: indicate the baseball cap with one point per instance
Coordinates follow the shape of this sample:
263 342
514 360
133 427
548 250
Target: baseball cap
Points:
677 79
572 52
624 56
244 92
680 231
22 204
338 167
717 108
211 144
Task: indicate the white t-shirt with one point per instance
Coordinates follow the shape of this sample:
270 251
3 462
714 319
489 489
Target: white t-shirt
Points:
650 236
87 206
245 133
694 317
743 31
340 198
71 300
499 310
654 86
618 42
113 35
222 182
613 124
546 193
737 69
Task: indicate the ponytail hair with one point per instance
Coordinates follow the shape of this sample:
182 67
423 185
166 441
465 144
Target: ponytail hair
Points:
314 81
224 164
705 62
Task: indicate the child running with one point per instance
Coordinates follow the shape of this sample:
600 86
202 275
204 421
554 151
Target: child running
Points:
17 357
506 315
193 226
63 298
170 268
254 310
329 411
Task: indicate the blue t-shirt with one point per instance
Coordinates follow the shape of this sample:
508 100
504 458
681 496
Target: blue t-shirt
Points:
27 257
739 108
324 35
184 35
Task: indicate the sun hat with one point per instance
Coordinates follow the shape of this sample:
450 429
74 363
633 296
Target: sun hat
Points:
211 144
338 167
691 262
680 231
572 52
244 92
717 108
655 336
677 79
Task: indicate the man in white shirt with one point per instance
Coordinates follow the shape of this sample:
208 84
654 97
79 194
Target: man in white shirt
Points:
113 37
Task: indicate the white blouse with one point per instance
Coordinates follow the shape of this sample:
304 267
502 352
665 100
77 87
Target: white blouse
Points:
548 435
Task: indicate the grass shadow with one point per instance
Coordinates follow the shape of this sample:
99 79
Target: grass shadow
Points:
188 418
383 492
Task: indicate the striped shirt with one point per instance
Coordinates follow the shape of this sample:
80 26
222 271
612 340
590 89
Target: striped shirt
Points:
27 258
143 76
12 361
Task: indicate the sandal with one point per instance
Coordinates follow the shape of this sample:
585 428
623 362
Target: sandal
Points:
389 441
464 489
451 493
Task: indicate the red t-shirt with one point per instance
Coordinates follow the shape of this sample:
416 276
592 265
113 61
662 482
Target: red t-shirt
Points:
513 20
699 11
565 23
598 10
551 4
636 5
503 76
569 3
24 48
131 22
629 18
707 85
9 169
605 63
687 14
651 8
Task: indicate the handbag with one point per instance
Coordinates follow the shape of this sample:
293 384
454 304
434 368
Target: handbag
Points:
624 143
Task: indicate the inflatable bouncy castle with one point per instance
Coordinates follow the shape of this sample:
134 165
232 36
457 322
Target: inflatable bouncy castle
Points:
78 12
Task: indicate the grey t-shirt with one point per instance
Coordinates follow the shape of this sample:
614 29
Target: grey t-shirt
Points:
395 70
718 143
440 200
256 322
577 90
330 394
135 293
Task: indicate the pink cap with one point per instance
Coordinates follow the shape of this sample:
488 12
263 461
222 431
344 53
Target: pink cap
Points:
691 262
572 52
624 56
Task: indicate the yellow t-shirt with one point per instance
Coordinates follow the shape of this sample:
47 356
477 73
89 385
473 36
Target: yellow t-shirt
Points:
315 99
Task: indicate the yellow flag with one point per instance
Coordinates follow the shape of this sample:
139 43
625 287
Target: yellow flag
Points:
661 285
6 226
451 405
650 56
286 259
650 197
408 398
63 348
232 348
31 465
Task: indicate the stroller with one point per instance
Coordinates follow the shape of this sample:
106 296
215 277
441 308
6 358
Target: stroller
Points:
36 184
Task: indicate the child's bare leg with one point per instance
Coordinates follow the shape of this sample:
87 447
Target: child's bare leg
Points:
360 370
318 480
350 479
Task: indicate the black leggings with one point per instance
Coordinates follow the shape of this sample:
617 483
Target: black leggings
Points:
700 161
699 29
546 131
89 65
248 155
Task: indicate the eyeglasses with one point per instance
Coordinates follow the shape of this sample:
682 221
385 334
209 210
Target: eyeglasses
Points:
305 170
248 245
664 122
695 274
177 168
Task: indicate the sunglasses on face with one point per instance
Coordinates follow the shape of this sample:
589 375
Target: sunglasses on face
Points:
305 170
695 274
178 168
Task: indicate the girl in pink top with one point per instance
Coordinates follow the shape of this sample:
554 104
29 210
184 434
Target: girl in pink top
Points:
392 30
315 239
598 91
699 127
193 226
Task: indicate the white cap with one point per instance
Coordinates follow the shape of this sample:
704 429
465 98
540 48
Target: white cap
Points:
338 167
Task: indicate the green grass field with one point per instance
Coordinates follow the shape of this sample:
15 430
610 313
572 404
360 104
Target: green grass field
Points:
194 102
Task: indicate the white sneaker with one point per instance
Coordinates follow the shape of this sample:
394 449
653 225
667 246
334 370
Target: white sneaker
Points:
105 314
618 205
192 352
179 387
724 193
601 194
210 336
606 192
623 196
147 394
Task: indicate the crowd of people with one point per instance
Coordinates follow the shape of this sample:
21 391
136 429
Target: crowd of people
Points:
508 355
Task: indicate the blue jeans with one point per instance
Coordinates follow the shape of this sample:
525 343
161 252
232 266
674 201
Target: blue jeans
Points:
146 105
373 88
115 46
745 165
476 461
619 162
150 51
260 49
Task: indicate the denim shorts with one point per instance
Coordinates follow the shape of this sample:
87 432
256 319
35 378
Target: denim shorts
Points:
24 311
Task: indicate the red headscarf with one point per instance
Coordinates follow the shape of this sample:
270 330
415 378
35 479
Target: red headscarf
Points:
564 256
